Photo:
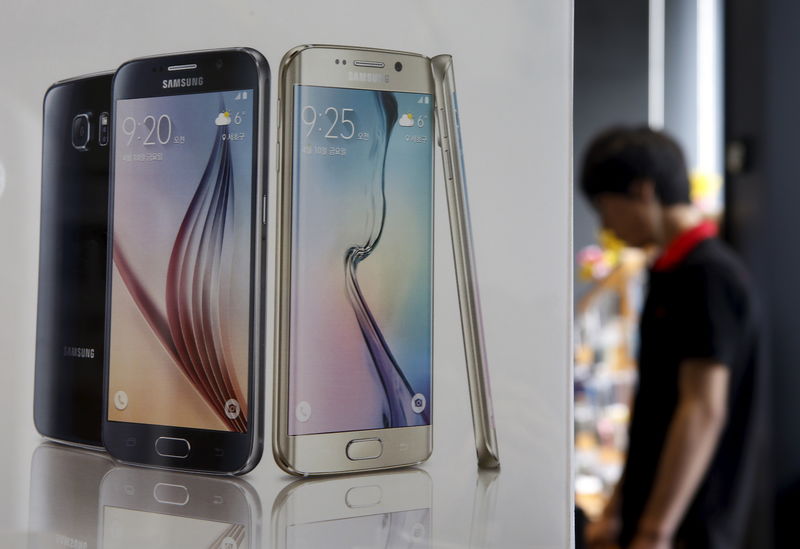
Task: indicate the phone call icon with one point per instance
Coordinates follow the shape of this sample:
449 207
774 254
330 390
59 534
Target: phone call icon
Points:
120 400
303 411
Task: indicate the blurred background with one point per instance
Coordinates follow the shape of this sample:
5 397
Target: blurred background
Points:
718 76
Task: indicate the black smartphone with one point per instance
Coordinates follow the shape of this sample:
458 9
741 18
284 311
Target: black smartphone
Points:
163 509
186 261
70 320
64 496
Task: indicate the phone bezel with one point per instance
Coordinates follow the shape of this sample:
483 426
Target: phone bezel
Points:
464 257
320 454
212 451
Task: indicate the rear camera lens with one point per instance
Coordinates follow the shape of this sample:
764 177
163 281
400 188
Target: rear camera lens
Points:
398 66
80 132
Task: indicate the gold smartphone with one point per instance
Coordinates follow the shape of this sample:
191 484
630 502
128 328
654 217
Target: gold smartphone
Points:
354 304
466 274
389 509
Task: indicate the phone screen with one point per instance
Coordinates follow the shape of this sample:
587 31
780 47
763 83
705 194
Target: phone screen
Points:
181 279
133 528
361 287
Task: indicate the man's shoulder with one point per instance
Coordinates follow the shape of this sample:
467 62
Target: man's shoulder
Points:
715 262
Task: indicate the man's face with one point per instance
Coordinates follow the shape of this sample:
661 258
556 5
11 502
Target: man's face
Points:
634 217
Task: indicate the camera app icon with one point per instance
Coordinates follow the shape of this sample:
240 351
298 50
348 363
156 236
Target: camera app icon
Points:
232 408
418 403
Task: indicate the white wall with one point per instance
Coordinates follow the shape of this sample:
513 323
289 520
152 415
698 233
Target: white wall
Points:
513 64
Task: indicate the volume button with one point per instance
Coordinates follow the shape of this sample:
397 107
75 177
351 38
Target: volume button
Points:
264 209
442 131
448 163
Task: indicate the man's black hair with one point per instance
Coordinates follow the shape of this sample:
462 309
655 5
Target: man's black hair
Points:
621 156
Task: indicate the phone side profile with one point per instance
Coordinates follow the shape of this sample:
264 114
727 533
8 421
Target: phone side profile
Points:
186 261
70 320
353 334
464 256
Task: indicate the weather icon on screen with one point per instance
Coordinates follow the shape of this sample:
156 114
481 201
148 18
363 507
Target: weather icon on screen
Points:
223 119
406 120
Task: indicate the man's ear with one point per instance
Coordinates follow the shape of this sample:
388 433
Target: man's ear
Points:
643 190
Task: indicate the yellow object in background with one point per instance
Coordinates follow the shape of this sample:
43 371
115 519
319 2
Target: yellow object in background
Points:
597 261
612 245
706 191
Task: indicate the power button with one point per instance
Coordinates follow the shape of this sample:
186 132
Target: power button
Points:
264 209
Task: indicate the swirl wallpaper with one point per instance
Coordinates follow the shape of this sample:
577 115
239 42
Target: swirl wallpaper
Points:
180 303
361 329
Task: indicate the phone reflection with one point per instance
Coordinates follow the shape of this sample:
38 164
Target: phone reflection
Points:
483 506
163 509
64 496
391 509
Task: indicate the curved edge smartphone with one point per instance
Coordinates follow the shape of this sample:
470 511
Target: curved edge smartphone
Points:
164 509
337 89
464 256
390 509
186 261
70 320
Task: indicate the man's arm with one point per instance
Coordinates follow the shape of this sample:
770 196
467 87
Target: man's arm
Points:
603 533
690 445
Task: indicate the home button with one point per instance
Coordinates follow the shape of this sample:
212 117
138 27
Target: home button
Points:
172 447
365 448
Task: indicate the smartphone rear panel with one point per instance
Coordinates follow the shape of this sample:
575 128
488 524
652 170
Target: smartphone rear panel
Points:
72 260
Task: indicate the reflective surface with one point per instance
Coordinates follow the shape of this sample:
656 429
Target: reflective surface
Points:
84 499
81 498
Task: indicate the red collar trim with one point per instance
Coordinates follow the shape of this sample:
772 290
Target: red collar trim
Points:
684 243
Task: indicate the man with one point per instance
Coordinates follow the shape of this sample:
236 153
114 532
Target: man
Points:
688 476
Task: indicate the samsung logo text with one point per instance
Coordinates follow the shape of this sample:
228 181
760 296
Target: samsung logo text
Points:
78 352
182 82
373 77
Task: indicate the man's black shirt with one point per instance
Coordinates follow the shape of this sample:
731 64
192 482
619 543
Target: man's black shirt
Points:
702 308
